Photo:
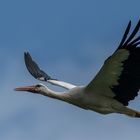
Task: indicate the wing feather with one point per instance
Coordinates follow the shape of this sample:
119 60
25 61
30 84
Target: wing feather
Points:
119 77
39 74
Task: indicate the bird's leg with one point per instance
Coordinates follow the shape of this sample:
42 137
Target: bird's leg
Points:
133 113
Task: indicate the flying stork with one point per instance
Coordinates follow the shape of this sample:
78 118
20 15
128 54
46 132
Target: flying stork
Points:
110 91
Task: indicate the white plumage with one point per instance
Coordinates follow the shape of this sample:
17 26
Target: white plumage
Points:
110 91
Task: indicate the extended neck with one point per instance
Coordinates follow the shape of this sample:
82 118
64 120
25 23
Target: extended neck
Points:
64 96
52 94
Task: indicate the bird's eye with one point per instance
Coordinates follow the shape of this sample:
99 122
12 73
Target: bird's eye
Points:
38 86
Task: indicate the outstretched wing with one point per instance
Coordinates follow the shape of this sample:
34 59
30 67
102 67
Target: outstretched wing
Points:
39 74
119 77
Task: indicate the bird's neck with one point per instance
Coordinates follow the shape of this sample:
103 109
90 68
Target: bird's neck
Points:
56 95
64 96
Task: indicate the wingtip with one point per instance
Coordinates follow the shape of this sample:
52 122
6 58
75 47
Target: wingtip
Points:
129 22
25 56
125 35
26 53
129 25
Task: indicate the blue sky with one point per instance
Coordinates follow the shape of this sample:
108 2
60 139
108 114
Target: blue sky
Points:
70 40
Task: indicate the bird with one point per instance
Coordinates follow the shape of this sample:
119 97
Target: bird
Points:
112 88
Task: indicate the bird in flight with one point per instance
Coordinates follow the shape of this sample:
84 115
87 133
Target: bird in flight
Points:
110 91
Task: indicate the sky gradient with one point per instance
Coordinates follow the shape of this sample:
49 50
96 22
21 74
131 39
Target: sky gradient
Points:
70 40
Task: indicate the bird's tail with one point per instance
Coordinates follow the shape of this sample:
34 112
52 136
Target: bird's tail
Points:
132 113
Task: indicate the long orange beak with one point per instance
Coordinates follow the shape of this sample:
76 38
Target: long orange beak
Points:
26 88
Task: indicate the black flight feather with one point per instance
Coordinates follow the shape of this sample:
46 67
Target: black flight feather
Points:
125 34
34 69
129 80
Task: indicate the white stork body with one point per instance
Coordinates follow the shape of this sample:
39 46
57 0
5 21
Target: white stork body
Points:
78 96
110 91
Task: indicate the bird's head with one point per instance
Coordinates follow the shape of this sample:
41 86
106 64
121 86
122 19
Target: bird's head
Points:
34 88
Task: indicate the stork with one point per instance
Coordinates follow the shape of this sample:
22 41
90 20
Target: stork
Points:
110 91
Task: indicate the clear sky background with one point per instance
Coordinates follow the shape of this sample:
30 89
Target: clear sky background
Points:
70 39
